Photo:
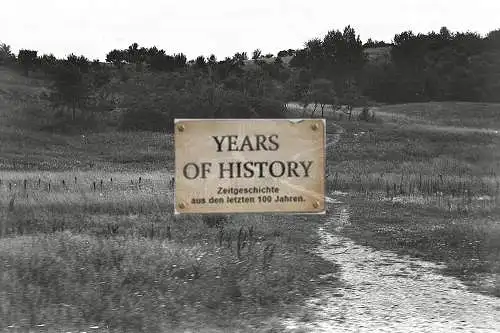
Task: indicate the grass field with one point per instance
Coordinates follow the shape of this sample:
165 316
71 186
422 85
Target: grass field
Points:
89 240
459 114
75 255
429 191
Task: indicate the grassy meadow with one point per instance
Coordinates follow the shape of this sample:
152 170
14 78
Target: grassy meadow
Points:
113 257
89 241
430 191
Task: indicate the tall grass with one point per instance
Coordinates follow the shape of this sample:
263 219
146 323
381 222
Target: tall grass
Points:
118 258
425 192
468 244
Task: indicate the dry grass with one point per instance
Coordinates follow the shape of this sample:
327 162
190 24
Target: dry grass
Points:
469 243
425 191
75 255
118 258
458 114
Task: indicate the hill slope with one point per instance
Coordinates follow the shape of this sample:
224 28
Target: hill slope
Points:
24 146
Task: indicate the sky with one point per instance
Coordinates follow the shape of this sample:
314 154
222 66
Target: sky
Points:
94 27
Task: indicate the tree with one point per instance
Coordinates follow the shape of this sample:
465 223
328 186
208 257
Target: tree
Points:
200 63
95 65
211 65
136 55
343 54
370 43
493 39
338 56
81 62
48 63
180 61
322 93
445 33
6 55
116 57
239 58
298 85
71 87
300 59
257 53
283 53
132 53
351 97
315 56
27 59
212 60
158 60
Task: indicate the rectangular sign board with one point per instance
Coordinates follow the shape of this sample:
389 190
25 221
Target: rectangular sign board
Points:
250 166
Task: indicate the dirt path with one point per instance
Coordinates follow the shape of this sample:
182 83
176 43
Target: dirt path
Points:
385 292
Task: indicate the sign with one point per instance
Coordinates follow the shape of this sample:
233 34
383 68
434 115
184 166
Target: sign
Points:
250 166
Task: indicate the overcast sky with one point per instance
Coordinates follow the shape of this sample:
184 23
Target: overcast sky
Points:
94 27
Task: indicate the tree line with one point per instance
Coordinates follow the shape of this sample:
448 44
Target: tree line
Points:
438 67
155 87
333 70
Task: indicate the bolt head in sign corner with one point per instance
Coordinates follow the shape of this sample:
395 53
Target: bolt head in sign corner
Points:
250 166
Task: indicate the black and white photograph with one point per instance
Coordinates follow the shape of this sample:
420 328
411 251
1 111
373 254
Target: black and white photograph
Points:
276 166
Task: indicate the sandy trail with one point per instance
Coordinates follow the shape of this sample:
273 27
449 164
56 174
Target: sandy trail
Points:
386 292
